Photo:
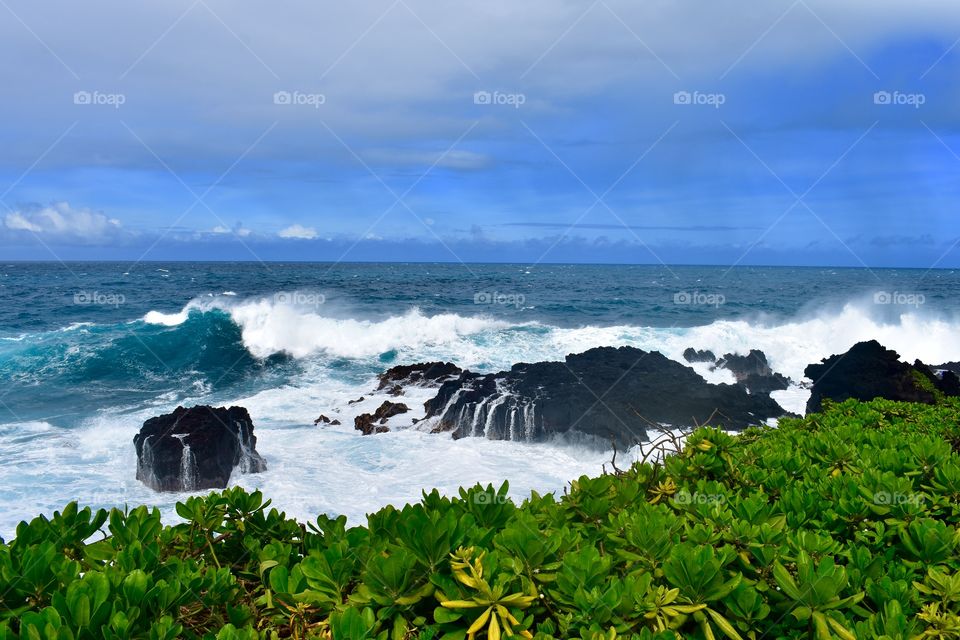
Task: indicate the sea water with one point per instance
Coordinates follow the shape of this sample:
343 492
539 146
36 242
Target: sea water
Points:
88 351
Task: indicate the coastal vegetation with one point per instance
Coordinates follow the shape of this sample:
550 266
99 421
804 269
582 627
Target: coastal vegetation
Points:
842 524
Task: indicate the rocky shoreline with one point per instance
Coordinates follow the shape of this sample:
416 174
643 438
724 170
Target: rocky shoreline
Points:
611 395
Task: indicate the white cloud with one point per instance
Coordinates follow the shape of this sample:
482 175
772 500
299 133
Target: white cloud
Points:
17 221
237 229
298 232
60 221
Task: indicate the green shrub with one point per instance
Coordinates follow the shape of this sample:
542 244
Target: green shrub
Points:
843 524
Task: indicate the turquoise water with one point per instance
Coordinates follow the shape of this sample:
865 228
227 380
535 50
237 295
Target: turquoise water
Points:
89 350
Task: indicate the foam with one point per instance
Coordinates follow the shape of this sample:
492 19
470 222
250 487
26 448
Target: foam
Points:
275 324
335 470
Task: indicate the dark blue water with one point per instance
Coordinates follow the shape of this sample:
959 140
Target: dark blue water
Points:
45 296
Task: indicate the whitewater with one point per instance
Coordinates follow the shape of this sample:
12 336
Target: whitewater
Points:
78 393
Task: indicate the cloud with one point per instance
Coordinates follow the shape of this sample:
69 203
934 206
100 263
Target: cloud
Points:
237 229
636 227
61 222
598 115
298 232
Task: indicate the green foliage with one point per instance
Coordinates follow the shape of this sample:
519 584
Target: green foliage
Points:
843 524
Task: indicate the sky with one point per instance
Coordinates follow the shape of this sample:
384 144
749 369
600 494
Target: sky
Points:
782 132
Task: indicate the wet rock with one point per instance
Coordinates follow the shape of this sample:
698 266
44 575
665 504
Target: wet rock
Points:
613 394
196 448
368 423
693 355
869 370
422 373
753 372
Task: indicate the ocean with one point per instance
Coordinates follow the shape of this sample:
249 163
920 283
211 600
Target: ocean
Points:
88 351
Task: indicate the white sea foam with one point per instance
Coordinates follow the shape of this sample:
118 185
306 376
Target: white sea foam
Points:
335 470
167 319
311 470
271 325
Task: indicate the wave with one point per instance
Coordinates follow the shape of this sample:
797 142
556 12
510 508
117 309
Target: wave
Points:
215 343
280 325
289 360
286 324
86 368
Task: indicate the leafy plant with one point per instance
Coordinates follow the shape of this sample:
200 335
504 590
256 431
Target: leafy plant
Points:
843 524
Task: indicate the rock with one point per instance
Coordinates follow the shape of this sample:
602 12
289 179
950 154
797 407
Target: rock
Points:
754 363
753 372
367 423
395 390
763 385
196 448
364 423
613 394
692 355
422 373
360 399
947 366
949 383
869 370
334 423
389 409
322 419
943 380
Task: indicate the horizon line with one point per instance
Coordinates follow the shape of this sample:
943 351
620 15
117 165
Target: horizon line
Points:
468 262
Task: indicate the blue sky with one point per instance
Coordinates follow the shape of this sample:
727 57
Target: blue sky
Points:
798 132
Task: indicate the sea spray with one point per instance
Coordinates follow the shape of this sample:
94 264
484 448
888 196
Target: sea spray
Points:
189 476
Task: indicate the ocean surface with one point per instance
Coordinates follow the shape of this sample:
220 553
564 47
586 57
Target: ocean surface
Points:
88 351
